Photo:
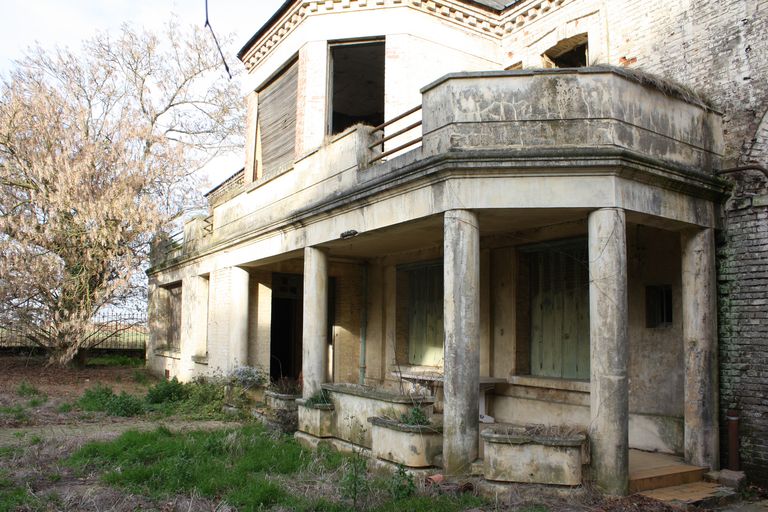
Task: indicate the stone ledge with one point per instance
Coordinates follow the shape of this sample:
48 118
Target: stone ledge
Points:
167 352
579 386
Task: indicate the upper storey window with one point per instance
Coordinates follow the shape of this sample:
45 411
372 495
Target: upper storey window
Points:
277 121
357 85
568 53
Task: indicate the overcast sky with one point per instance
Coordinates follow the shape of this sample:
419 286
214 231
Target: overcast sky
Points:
67 22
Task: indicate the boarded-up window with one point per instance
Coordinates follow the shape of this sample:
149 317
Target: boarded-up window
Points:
173 337
277 122
559 298
425 325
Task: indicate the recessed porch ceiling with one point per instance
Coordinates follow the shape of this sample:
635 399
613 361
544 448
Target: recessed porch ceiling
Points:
428 232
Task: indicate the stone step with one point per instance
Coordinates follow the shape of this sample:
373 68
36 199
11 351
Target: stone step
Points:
664 476
700 494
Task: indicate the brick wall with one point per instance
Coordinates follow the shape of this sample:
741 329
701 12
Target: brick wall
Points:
718 49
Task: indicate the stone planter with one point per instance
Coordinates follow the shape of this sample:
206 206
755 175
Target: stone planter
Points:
354 404
255 395
316 419
520 454
236 396
281 402
414 446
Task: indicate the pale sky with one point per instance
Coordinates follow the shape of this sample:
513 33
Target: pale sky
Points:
67 22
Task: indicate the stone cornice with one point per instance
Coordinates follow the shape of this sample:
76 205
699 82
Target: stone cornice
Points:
470 17
528 162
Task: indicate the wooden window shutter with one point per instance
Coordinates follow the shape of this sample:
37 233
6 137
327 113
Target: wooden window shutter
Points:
277 122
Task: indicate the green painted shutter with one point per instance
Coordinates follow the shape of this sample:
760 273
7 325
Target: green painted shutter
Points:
425 327
560 311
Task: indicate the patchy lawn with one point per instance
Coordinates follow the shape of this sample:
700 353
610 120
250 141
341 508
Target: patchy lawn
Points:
109 437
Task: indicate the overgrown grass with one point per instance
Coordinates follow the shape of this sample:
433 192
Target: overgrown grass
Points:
16 411
12 496
195 400
102 398
247 467
115 360
27 390
229 463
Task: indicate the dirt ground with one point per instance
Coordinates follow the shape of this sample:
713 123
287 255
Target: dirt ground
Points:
40 436
38 431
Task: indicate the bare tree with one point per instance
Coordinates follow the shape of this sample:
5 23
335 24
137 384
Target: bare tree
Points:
97 155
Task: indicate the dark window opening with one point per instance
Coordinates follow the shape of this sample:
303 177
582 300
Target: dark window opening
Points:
658 306
357 85
568 53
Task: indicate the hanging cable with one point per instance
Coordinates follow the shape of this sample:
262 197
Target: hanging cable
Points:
215 40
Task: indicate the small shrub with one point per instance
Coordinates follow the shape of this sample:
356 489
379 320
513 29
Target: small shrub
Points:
140 377
64 408
204 398
401 485
415 416
249 377
27 390
354 481
124 405
286 386
321 397
38 401
167 391
115 360
95 398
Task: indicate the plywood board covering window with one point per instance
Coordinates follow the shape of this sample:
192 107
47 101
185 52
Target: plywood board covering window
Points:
559 301
425 331
277 122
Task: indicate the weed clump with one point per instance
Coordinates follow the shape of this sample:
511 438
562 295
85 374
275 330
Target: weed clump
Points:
100 398
167 391
286 386
321 397
95 398
125 405
27 390
415 416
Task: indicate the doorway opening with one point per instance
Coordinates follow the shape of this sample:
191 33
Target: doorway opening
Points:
286 332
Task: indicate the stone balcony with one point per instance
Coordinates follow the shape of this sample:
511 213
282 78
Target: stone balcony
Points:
561 122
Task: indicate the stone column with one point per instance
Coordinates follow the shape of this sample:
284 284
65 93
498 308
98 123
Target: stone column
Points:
700 350
238 317
315 328
609 395
461 304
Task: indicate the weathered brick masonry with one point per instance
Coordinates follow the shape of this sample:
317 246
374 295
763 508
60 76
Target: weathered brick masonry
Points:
720 49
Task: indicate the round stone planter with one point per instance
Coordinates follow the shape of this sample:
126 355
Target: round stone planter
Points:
413 446
520 454
316 419
280 401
